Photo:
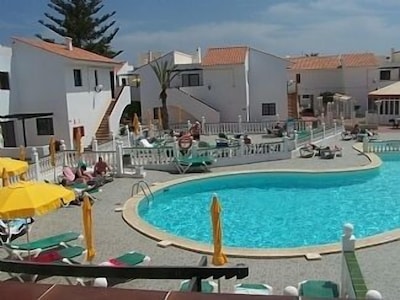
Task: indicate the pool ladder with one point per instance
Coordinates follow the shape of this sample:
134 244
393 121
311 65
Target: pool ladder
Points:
144 187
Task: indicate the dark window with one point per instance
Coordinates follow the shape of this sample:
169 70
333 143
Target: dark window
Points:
44 126
156 111
96 79
385 75
190 80
396 107
268 109
298 78
77 77
4 81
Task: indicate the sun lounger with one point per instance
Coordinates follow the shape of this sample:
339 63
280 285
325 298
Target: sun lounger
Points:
20 250
307 152
10 230
253 289
183 164
318 289
52 256
206 286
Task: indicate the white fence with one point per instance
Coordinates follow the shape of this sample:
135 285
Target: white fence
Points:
381 146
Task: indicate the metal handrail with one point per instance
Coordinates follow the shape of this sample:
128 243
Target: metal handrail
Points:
142 184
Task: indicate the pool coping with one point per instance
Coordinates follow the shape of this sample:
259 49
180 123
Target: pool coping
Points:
131 217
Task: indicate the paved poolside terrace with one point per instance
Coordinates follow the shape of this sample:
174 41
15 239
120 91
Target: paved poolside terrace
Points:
380 264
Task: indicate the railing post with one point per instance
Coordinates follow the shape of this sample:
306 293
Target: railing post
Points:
240 123
242 147
342 119
365 143
296 139
63 147
311 133
95 148
128 134
348 245
194 149
35 159
335 126
323 130
119 162
285 142
113 140
189 125
203 124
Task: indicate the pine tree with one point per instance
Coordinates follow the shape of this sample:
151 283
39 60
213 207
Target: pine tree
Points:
79 19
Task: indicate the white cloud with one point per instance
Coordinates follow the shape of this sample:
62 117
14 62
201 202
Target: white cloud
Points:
324 26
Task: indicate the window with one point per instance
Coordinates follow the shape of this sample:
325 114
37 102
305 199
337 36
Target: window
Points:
385 75
298 78
4 81
268 109
190 80
96 79
77 77
156 112
44 126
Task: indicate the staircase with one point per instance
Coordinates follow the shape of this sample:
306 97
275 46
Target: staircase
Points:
103 131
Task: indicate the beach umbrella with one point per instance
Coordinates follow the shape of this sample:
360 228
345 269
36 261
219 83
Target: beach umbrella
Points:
22 157
160 118
52 150
88 228
27 199
219 258
136 125
78 144
14 167
4 177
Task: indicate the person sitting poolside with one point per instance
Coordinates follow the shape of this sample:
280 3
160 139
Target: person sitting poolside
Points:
81 174
101 168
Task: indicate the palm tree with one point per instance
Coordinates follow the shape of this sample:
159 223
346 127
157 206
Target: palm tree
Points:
165 72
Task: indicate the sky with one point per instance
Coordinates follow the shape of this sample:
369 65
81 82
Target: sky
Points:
279 27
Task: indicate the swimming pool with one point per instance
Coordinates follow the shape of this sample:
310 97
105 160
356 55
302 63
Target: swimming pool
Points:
281 210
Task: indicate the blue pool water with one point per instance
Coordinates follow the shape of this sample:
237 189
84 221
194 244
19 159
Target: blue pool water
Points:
282 210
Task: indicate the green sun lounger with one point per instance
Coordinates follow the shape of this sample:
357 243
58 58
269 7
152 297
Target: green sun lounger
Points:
19 249
206 286
183 164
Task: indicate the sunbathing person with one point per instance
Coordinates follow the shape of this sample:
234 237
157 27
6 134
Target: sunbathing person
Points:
101 168
81 174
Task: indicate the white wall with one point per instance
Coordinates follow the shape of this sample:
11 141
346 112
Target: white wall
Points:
86 107
227 90
37 86
358 82
5 66
267 84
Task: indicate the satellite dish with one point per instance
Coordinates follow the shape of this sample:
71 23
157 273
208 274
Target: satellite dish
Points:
98 88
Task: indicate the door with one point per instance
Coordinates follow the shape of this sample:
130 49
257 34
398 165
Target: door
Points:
8 132
112 82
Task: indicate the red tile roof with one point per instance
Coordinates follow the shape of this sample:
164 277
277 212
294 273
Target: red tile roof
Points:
334 61
59 49
225 56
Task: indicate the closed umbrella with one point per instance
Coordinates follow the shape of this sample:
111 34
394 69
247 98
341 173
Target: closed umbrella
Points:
52 150
136 125
88 228
78 145
4 177
22 157
14 167
219 258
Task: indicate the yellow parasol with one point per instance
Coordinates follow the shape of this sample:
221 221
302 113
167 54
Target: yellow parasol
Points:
78 144
88 228
4 177
52 150
27 199
160 118
136 124
13 167
219 258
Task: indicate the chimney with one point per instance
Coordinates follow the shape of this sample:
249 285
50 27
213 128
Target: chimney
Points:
68 43
199 55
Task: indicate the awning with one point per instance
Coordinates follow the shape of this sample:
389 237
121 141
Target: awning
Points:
390 90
